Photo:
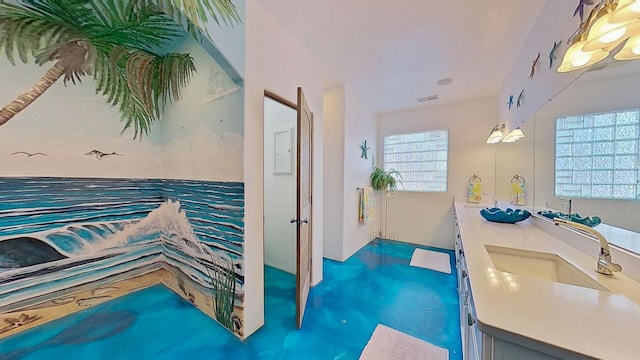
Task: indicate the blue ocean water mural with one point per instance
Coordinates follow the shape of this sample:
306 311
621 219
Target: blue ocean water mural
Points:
59 233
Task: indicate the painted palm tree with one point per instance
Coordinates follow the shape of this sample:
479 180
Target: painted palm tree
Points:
115 41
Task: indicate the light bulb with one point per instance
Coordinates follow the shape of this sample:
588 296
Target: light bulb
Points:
613 35
580 58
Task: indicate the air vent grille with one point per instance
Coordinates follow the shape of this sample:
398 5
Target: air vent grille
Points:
427 98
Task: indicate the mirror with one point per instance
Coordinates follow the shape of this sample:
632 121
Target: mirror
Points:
515 169
609 87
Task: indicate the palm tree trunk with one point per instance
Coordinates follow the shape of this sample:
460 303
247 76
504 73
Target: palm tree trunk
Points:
24 100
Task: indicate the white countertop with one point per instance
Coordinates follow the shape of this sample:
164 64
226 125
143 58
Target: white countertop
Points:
598 324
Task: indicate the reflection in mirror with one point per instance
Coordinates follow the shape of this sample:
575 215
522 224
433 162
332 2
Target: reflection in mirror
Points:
600 160
516 159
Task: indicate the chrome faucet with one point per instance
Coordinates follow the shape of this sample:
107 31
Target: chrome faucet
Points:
568 206
604 265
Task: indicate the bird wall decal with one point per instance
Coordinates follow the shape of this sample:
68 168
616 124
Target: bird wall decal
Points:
553 54
520 100
29 154
99 154
580 8
534 65
510 102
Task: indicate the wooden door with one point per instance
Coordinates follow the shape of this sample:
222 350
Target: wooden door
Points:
303 221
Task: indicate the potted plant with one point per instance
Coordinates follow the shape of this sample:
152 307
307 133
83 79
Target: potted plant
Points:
385 180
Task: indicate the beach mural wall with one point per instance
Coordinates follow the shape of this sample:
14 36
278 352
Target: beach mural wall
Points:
114 175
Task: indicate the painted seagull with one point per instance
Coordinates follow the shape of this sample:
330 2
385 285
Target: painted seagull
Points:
29 154
99 154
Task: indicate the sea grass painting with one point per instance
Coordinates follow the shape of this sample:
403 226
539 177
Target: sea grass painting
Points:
121 144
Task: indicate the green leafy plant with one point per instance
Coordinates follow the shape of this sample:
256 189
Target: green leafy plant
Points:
223 281
385 180
115 41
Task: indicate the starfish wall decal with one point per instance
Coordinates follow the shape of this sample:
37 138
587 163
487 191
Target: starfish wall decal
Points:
364 149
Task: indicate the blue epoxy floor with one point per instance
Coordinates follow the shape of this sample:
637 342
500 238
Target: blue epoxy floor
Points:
376 285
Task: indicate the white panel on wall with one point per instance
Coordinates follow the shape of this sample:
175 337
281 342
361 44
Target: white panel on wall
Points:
279 186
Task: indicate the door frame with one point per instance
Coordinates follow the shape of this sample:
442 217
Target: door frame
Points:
294 106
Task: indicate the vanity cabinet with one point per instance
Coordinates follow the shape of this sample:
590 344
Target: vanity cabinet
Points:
477 344
472 338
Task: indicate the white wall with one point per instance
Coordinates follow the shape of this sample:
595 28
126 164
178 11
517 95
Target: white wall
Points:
360 124
334 169
279 190
347 125
275 61
427 218
616 93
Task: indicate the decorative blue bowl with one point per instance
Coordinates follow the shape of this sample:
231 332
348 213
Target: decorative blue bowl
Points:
584 220
509 216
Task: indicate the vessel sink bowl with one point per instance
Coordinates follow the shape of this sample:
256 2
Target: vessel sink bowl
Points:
540 265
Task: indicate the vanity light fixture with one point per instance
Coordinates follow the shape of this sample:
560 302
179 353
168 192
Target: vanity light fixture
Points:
496 135
631 49
627 10
610 23
605 33
515 135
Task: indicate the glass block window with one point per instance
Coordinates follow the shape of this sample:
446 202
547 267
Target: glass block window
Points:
421 158
597 155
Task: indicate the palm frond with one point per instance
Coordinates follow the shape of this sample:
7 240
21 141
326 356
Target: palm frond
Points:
25 31
122 23
141 84
193 15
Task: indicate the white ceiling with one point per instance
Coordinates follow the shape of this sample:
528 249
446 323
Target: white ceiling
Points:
390 52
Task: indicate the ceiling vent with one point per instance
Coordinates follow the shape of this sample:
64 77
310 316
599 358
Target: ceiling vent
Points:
427 98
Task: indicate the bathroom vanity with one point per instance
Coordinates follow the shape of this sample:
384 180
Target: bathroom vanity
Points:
526 294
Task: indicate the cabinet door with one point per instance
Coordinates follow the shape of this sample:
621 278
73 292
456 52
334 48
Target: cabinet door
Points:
473 343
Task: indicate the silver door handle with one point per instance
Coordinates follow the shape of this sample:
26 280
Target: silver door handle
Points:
302 221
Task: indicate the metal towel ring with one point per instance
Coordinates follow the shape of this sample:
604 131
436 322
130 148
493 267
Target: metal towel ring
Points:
519 179
475 179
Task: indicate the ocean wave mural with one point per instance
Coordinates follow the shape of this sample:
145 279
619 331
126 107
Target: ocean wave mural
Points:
61 233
